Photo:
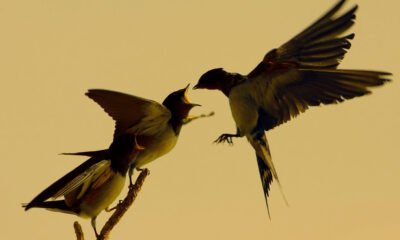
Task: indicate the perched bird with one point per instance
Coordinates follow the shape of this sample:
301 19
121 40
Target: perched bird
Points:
144 131
298 74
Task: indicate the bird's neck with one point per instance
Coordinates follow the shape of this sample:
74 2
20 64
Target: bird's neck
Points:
178 114
176 124
230 81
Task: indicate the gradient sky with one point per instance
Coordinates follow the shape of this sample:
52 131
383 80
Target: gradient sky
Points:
339 165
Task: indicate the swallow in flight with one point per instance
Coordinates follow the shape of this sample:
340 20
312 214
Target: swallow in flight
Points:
300 73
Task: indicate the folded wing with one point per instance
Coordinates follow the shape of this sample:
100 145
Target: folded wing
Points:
70 181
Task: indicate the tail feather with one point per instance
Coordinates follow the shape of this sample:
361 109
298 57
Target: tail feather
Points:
89 153
265 165
266 179
57 206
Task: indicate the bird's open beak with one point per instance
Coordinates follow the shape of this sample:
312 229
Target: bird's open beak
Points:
186 99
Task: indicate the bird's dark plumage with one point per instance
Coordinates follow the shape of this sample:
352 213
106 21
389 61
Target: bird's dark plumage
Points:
144 131
52 190
291 78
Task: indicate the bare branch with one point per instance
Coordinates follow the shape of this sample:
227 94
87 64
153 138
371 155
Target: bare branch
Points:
191 118
124 205
78 231
120 209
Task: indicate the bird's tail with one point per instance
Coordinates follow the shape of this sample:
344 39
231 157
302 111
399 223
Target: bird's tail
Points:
265 164
266 179
89 153
56 206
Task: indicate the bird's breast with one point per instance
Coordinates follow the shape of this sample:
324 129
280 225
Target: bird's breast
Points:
243 108
163 143
101 193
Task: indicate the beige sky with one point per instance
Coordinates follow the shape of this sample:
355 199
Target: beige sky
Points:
339 165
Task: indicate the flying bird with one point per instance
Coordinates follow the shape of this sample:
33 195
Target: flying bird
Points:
144 131
300 73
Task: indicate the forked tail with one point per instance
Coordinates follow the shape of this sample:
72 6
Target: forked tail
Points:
265 165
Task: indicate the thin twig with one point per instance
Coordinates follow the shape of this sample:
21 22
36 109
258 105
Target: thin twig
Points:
191 118
120 209
124 205
78 231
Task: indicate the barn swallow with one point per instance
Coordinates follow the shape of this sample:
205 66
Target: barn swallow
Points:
291 78
144 131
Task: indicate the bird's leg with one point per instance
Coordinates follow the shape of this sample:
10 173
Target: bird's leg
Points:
131 169
134 155
93 222
130 173
227 137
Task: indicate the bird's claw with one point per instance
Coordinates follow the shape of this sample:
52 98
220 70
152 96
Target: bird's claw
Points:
225 138
113 208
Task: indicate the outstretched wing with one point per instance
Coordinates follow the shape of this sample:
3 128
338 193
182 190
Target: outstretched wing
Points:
302 72
319 44
129 111
283 96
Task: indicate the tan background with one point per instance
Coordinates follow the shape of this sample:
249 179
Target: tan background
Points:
339 165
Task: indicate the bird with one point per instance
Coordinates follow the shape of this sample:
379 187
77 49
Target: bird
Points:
301 73
144 131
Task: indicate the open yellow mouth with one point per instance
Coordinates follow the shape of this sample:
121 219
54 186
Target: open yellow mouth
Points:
185 98
185 95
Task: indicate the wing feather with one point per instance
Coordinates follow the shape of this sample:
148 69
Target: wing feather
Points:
302 72
289 93
62 182
128 111
319 44
84 179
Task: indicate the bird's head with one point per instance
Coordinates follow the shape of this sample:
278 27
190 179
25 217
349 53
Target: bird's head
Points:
213 79
178 103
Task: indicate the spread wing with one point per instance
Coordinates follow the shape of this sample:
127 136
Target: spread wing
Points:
131 114
302 72
319 44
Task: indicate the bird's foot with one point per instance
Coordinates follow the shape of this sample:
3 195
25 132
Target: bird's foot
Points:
226 137
131 184
113 208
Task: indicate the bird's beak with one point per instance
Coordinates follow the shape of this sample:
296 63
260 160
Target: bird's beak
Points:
196 87
186 99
